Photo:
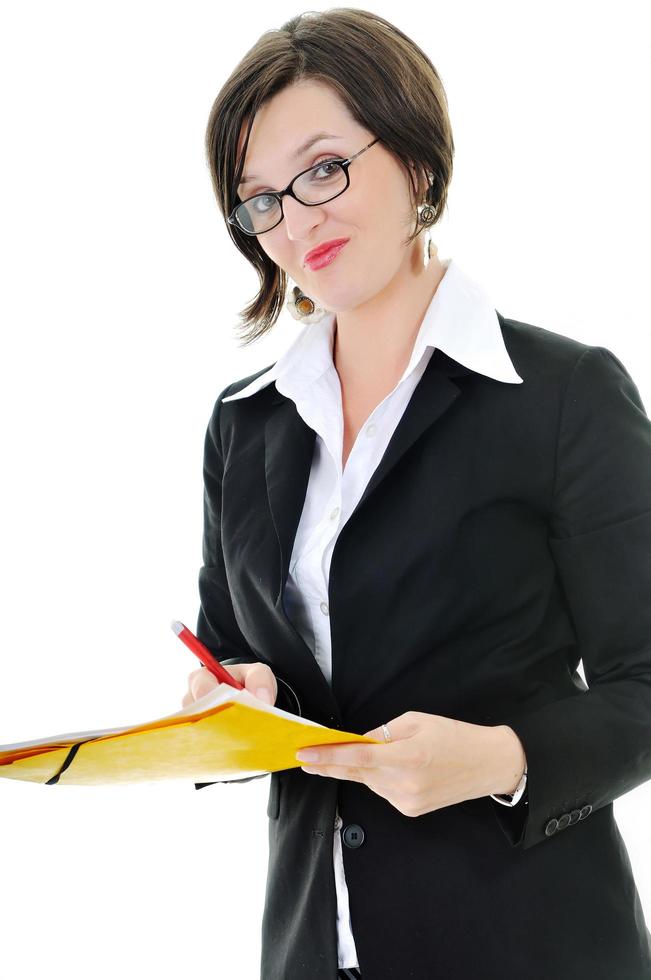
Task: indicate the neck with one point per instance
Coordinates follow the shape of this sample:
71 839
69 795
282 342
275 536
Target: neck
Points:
375 341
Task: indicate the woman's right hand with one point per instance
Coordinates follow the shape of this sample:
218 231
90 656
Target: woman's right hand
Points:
257 678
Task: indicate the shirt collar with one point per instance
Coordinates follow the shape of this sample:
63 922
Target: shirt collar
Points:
460 320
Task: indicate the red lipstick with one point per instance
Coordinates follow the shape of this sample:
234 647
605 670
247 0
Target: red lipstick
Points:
325 253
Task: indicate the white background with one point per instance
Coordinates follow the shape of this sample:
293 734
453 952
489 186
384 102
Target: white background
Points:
120 294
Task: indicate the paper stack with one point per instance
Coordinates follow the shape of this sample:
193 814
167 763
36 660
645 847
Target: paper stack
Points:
227 734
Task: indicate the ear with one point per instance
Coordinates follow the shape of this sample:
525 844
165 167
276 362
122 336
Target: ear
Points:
421 180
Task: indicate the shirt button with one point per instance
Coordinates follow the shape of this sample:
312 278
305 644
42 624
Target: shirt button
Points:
324 608
334 513
338 823
370 429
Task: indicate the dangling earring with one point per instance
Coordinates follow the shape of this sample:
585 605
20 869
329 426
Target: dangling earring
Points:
303 308
427 216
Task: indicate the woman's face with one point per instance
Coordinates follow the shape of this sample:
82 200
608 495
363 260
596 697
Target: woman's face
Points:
375 213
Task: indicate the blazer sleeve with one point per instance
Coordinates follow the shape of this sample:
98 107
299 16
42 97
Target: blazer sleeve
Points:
586 750
217 626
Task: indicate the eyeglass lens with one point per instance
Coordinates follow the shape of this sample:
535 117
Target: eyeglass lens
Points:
315 186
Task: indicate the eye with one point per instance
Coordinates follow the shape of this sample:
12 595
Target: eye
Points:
262 203
323 163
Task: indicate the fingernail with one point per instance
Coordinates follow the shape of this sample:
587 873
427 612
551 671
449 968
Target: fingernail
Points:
307 755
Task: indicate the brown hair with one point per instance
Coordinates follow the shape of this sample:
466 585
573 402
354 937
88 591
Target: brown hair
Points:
389 86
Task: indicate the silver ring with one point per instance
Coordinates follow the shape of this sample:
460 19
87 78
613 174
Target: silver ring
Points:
387 734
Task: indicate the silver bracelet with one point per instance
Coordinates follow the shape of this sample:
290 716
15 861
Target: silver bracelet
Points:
510 800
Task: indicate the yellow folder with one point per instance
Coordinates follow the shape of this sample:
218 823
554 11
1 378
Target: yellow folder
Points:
227 734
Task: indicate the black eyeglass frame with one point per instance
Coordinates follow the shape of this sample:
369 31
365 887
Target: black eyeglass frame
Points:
343 163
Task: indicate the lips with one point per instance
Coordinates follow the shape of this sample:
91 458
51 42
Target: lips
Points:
322 249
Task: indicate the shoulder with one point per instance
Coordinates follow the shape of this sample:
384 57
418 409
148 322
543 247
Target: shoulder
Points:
560 367
235 386
537 351
222 411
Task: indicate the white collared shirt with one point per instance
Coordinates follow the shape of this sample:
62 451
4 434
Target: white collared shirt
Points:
461 321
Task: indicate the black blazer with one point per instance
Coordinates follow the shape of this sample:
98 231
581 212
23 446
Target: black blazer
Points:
504 536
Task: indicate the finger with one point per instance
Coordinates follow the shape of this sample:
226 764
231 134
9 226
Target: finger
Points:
404 726
337 772
401 752
356 755
201 683
260 678
378 734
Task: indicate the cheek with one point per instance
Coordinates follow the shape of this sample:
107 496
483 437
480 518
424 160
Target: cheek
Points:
271 246
279 253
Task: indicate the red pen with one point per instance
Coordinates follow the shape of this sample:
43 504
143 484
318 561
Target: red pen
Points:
205 656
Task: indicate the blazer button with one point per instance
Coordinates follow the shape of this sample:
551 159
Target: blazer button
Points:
353 835
574 816
585 811
551 827
563 822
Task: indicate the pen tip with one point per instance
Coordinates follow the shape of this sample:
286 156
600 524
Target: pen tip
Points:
177 626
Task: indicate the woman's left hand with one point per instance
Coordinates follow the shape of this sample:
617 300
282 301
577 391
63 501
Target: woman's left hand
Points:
431 762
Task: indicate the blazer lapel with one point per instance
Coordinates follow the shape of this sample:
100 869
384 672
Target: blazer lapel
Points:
433 395
289 447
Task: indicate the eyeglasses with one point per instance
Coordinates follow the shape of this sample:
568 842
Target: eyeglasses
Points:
262 212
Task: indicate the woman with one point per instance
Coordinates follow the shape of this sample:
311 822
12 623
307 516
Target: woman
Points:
417 522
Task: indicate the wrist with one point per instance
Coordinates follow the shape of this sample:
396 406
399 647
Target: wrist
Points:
510 761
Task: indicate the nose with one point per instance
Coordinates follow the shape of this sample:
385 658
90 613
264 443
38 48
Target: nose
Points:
300 218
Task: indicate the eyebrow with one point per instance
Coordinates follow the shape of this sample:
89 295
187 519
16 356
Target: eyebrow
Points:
303 148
